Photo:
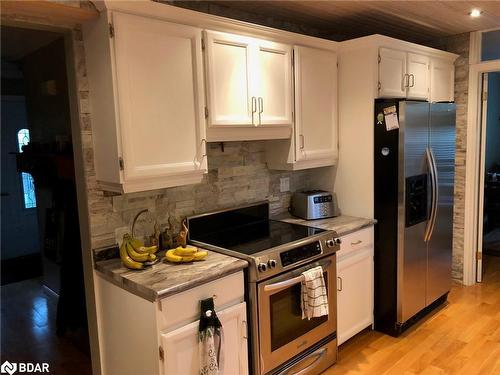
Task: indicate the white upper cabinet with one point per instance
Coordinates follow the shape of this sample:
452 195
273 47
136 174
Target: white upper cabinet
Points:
442 81
392 73
249 88
160 125
418 77
403 75
274 83
157 91
230 70
315 132
369 68
315 104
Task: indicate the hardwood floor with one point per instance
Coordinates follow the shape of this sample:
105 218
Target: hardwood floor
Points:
28 330
462 337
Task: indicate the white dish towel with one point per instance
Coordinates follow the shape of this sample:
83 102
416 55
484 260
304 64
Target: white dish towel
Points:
314 297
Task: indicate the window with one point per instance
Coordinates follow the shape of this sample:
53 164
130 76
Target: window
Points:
23 138
490 45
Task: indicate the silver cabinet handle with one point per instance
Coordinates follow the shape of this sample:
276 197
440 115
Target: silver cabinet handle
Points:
339 288
356 243
406 80
254 108
301 141
261 109
245 330
412 80
204 150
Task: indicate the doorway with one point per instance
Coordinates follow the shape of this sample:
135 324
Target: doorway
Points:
489 187
43 296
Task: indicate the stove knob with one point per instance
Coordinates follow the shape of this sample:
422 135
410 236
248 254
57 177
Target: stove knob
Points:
262 267
271 263
338 241
330 243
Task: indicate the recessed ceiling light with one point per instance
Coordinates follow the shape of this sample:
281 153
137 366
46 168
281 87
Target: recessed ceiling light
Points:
475 12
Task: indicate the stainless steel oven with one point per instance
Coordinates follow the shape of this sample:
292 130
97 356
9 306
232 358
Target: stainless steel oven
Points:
277 253
283 334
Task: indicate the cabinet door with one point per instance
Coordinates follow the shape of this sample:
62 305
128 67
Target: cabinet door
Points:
315 104
354 293
442 81
418 80
392 73
274 83
181 346
230 72
159 81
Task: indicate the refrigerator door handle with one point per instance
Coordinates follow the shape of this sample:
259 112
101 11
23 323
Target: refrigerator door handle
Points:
435 193
429 157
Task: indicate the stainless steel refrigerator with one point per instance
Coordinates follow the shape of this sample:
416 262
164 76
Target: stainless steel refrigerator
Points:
414 176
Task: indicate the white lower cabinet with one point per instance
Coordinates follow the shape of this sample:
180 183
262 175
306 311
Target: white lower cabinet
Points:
181 345
354 291
138 336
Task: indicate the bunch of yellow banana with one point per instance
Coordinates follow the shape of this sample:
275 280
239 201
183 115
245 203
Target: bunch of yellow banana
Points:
185 254
134 254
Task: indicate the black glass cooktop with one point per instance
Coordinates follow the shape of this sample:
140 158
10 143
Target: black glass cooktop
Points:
247 231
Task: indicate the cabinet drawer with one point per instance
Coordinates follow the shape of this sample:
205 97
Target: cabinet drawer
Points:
184 308
354 241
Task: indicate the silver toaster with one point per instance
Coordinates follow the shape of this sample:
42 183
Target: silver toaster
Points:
314 204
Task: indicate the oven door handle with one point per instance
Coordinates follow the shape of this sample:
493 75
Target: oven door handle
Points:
283 284
320 353
287 283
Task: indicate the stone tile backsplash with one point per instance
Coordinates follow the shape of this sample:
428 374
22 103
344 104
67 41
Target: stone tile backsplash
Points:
459 44
237 175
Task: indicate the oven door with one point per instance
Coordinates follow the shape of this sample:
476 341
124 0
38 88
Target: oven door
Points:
283 333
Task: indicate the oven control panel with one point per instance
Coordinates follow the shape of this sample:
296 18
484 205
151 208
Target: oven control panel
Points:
263 266
300 253
274 262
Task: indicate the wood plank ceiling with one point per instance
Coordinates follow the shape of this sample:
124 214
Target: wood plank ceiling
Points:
416 21
67 13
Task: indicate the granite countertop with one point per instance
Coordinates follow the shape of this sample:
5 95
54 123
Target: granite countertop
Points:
341 224
165 279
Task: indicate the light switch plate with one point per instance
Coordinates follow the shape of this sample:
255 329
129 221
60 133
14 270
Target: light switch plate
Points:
284 184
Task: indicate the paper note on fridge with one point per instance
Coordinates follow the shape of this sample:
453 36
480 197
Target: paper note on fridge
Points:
391 118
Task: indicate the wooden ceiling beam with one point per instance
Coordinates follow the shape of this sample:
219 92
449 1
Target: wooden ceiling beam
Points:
66 14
